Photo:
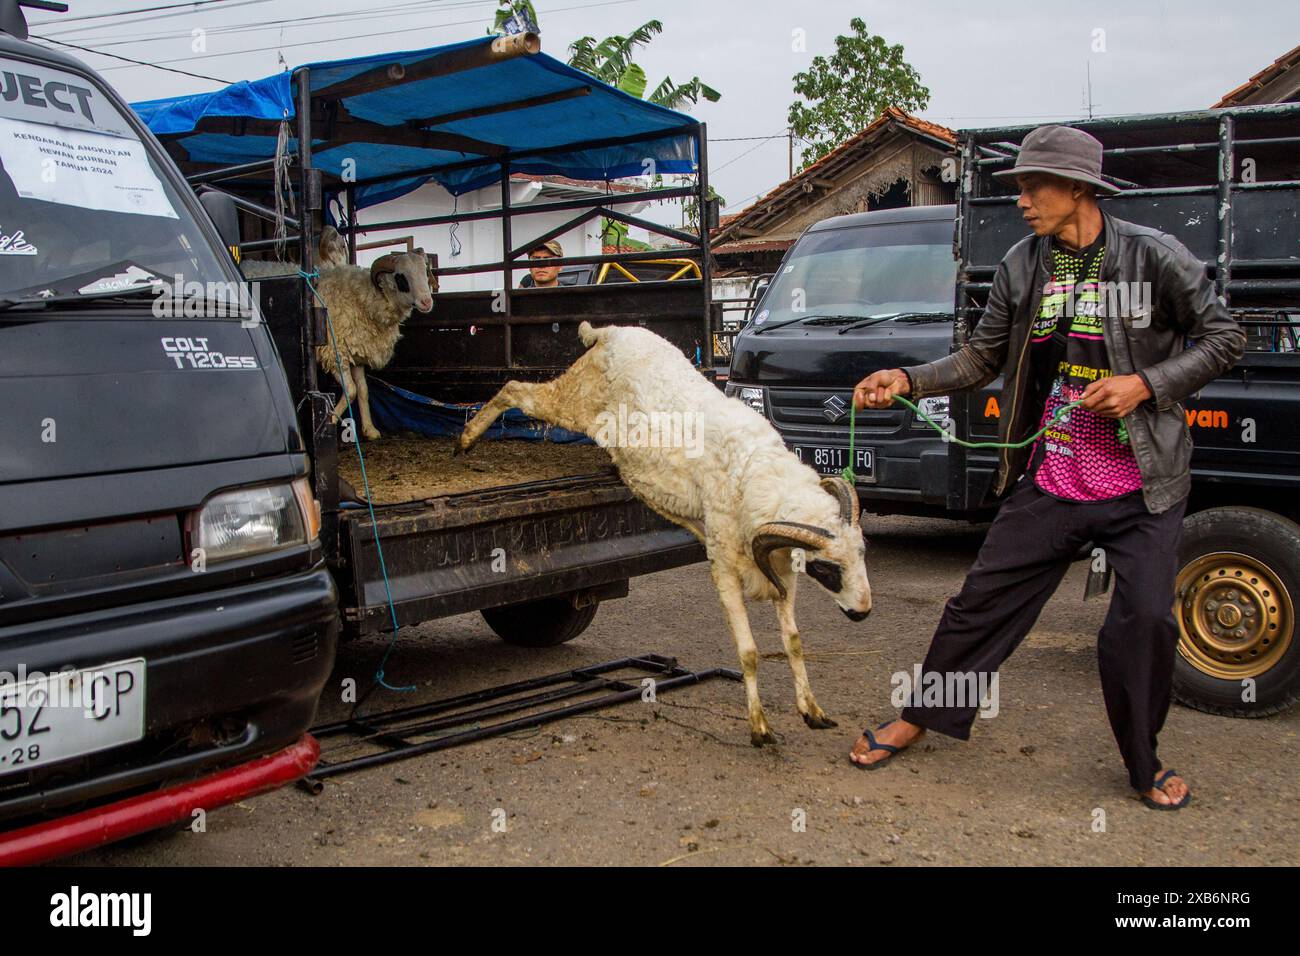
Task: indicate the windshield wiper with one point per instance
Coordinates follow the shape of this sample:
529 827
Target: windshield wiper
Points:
864 323
68 298
801 318
896 316
920 317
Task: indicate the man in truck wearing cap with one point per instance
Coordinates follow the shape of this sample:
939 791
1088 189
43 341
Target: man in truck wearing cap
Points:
540 275
1113 471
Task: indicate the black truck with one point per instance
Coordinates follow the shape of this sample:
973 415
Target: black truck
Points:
533 536
906 286
167 620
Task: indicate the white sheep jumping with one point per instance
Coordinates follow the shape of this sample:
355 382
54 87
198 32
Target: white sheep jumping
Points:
723 473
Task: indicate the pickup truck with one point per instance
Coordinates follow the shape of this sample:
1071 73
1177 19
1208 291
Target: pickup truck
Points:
905 286
532 535
167 619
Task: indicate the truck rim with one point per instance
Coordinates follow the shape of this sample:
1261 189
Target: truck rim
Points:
1235 616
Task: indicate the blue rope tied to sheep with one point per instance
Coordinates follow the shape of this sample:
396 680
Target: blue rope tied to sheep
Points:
309 278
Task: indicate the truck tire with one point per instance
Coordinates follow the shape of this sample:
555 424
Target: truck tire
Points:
542 623
1238 587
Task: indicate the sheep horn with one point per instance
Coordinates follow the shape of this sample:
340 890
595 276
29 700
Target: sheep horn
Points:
850 510
381 266
784 534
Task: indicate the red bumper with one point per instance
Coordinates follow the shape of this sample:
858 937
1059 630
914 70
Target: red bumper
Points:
116 821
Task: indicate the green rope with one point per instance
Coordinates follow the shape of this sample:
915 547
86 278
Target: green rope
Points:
850 477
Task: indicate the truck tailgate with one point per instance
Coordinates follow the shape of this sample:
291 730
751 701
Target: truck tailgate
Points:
464 552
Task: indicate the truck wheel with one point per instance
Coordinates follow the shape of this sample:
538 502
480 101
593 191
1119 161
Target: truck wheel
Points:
542 623
1238 582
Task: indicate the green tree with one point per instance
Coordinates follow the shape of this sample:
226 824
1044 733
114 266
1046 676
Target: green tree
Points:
843 94
610 60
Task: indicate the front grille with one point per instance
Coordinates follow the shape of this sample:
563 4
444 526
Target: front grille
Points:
62 559
812 408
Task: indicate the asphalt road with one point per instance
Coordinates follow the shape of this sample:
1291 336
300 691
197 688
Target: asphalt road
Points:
676 781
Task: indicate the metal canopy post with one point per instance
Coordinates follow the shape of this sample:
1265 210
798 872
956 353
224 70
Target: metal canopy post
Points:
306 233
706 269
508 263
351 193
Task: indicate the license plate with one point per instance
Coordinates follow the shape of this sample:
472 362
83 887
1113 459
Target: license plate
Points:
829 460
53 717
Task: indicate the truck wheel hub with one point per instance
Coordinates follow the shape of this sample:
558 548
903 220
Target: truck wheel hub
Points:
1235 617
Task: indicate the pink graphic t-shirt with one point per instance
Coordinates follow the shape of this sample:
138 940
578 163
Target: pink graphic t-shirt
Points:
1082 456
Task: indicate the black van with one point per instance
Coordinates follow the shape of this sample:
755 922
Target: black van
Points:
165 613
857 292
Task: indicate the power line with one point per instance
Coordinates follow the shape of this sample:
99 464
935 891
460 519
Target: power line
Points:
200 76
399 9
289 46
744 154
123 13
357 36
166 16
340 16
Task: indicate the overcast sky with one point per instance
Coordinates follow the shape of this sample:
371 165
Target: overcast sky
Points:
986 64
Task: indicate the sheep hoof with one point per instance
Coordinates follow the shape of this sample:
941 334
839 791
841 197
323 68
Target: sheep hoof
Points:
760 737
818 721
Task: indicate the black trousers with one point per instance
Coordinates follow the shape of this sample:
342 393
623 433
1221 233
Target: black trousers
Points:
1024 557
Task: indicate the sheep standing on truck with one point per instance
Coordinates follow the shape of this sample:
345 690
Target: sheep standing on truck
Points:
332 250
366 310
738 489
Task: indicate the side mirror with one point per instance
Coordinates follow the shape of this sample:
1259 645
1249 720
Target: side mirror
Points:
224 213
756 291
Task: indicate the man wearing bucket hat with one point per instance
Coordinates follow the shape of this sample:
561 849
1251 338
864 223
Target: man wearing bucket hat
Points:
1112 470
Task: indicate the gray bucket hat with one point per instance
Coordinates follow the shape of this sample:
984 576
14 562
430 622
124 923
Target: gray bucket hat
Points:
1061 151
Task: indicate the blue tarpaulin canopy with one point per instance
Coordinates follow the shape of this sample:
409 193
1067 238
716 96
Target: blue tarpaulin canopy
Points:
433 114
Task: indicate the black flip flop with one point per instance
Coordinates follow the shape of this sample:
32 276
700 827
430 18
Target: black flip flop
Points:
1159 785
871 739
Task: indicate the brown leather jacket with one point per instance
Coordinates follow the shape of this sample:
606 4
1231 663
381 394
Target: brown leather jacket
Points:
1152 341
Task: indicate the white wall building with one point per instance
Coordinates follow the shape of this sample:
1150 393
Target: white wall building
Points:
479 241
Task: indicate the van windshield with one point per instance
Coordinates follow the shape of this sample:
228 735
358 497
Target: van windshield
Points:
85 207
861 272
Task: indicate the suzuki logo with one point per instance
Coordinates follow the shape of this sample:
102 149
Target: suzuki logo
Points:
835 407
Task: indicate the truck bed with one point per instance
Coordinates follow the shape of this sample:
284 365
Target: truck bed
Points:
501 545
402 469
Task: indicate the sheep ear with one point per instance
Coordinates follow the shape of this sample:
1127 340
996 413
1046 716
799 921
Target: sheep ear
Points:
784 534
847 496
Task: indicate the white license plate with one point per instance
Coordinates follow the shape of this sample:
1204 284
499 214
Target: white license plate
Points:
829 460
53 717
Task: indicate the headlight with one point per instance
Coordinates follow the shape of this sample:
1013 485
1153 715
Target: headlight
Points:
936 408
751 395
255 520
